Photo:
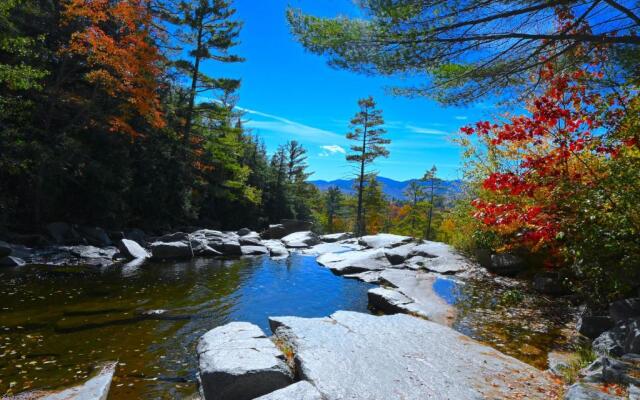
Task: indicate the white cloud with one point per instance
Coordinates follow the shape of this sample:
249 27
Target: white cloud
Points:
461 117
331 149
286 126
426 131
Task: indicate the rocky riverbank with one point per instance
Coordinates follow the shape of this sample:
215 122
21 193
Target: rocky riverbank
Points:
422 279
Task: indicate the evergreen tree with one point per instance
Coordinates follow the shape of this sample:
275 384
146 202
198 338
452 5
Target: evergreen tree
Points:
416 194
367 133
431 177
333 204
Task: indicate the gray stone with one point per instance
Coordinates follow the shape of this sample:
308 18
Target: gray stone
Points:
132 250
624 309
558 362
359 356
506 264
301 239
439 257
238 362
244 231
355 261
254 250
334 247
5 249
136 235
610 342
632 337
10 261
302 390
634 392
171 250
398 255
418 286
585 391
592 326
386 240
336 237
96 388
250 240
95 236
276 248
367 276
388 300
228 247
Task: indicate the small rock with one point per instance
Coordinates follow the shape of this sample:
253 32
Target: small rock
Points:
610 342
584 391
355 261
250 240
388 301
227 246
398 255
254 250
302 390
276 231
558 362
244 231
11 261
238 362
276 248
336 237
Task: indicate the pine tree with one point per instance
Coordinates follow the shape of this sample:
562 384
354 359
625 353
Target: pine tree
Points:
333 202
367 133
210 32
416 194
431 177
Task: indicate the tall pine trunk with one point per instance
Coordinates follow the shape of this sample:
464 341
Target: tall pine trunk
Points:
360 216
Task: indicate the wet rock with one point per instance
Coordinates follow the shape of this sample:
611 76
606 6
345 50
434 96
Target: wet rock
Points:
355 261
336 237
549 283
592 326
419 287
302 390
351 355
132 250
96 388
10 261
301 239
95 236
386 240
171 250
254 250
506 264
5 249
237 362
585 391
243 231
624 309
276 248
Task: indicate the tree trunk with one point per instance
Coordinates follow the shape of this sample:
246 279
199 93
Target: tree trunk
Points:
430 212
360 216
192 94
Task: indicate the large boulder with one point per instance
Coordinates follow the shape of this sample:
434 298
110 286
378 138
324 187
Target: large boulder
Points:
171 250
388 301
174 237
506 264
5 249
384 240
254 250
351 262
623 310
285 227
438 257
238 362
302 390
62 233
398 255
275 231
131 249
351 355
136 235
250 239
300 239
229 246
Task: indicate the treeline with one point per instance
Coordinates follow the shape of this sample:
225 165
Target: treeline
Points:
102 120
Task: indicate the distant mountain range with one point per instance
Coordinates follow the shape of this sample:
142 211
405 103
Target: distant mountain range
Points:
395 189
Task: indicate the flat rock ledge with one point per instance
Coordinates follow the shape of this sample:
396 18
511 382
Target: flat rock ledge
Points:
302 390
238 362
352 355
96 388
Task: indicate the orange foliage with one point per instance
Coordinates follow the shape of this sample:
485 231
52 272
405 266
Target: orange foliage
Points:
116 41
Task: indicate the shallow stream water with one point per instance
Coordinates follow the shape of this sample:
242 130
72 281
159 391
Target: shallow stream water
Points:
56 323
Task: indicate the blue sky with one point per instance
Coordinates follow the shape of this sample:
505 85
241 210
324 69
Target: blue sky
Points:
288 94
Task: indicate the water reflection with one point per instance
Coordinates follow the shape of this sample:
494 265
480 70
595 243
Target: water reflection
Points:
56 322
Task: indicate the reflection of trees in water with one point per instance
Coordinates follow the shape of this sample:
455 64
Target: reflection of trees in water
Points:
515 321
